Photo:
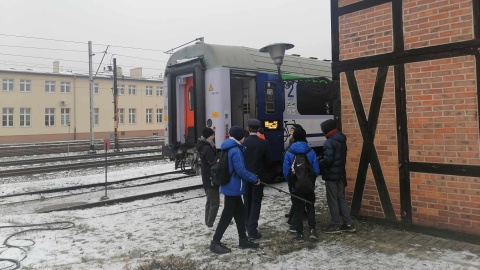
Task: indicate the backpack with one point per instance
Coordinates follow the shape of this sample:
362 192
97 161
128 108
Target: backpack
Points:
302 171
220 172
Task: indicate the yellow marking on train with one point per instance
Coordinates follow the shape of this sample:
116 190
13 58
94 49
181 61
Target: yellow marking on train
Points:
210 88
165 118
215 115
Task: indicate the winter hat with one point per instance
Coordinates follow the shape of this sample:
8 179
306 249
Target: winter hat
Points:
328 126
207 132
300 135
237 132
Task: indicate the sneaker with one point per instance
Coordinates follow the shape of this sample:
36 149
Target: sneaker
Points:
292 229
299 238
245 243
332 229
256 235
347 228
219 248
313 234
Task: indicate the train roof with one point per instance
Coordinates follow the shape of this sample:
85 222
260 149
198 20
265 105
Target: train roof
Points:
248 59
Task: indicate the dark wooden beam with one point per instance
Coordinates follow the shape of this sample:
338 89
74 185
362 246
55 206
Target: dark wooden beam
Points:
402 145
448 169
362 5
469 47
476 18
335 31
369 154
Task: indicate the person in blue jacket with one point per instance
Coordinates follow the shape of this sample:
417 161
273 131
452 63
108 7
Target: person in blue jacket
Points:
233 191
300 146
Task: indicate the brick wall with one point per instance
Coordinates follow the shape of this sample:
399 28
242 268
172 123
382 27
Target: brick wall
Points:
442 110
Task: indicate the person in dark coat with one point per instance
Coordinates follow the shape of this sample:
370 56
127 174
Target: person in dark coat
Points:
300 146
206 149
257 161
333 172
233 191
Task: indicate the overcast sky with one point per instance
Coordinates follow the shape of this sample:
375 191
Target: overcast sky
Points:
150 27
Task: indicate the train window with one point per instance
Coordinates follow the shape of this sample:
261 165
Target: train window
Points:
314 98
190 98
270 98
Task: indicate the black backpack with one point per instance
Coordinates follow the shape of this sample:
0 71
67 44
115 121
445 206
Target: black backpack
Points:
302 173
220 172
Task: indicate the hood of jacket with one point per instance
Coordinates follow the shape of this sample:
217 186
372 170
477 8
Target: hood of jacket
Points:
229 143
299 147
340 137
202 142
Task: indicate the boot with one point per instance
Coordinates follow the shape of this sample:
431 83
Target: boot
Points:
219 248
245 243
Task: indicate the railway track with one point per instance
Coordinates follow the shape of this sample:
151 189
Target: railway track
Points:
126 190
73 158
28 149
75 166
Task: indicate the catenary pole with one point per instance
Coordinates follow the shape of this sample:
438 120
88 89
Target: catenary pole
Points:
115 104
90 79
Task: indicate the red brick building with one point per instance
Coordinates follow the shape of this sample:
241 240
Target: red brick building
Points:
409 77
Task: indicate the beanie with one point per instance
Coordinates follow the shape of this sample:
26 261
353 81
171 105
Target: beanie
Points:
237 132
300 135
328 126
207 132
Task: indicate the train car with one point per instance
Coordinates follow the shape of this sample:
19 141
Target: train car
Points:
221 86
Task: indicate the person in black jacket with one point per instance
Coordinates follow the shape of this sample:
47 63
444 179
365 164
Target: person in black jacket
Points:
257 161
206 149
333 172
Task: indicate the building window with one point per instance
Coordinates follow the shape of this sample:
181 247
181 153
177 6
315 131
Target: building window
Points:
132 90
159 115
149 116
50 86
24 117
49 117
131 116
7 84
121 89
65 87
7 117
95 88
95 115
121 116
159 90
25 85
65 116
149 91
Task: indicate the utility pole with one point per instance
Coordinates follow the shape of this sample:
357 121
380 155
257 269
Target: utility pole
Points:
115 104
90 79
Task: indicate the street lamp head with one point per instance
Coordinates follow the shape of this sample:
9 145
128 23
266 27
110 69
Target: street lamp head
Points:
277 51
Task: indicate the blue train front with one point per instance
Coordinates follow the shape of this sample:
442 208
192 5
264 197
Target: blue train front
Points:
221 86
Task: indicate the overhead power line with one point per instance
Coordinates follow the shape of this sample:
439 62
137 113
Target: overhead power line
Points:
41 48
81 42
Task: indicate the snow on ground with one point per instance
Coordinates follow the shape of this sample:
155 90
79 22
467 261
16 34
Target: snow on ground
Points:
127 235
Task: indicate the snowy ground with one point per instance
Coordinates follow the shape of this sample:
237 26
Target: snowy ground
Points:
171 230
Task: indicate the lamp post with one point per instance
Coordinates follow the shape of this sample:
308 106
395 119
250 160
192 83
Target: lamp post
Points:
277 52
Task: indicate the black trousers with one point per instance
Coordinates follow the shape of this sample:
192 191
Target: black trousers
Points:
337 203
253 203
211 206
233 208
299 206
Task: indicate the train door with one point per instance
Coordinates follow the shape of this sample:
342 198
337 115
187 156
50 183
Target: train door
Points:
189 111
270 112
243 100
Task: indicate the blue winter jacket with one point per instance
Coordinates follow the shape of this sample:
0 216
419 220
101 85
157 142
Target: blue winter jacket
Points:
299 148
236 165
